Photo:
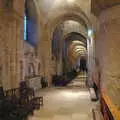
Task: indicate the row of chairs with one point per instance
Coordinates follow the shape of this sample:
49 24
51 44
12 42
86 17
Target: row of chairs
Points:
18 103
59 81
64 79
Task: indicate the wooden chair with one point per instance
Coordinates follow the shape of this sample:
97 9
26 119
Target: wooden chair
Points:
18 103
28 96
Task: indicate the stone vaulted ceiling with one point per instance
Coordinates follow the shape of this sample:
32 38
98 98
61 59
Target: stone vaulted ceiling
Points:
99 5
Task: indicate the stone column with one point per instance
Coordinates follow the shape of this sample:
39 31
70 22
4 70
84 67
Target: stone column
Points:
40 52
11 58
10 28
108 52
91 58
44 51
60 65
59 62
47 60
89 63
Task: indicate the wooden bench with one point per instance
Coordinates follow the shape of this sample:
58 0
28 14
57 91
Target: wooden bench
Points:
28 94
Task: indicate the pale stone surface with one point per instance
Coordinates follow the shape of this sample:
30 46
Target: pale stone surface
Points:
10 37
108 53
65 104
51 7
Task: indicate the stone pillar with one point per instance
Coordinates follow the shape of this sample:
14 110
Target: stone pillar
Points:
59 62
11 43
44 52
89 63
91 58
40 52
108 52
48 61
10 24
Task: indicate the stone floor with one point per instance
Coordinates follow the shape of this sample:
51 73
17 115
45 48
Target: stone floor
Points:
79 81
65 104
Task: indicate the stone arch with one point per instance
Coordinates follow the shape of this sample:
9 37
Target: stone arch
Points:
69 38
75 14
78 35
83 39
55 17
78 16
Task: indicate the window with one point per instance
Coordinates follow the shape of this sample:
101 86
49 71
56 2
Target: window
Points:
25 27
30 24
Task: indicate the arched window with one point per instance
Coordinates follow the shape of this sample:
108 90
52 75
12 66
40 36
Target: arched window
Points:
25 27
26 22
30 23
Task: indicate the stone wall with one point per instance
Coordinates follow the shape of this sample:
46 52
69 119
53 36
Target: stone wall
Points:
108 52
29 63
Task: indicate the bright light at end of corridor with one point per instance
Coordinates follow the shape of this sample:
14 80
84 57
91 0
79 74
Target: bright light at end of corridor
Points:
90 32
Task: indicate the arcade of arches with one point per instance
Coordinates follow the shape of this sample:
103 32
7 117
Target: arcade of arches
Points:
73 44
